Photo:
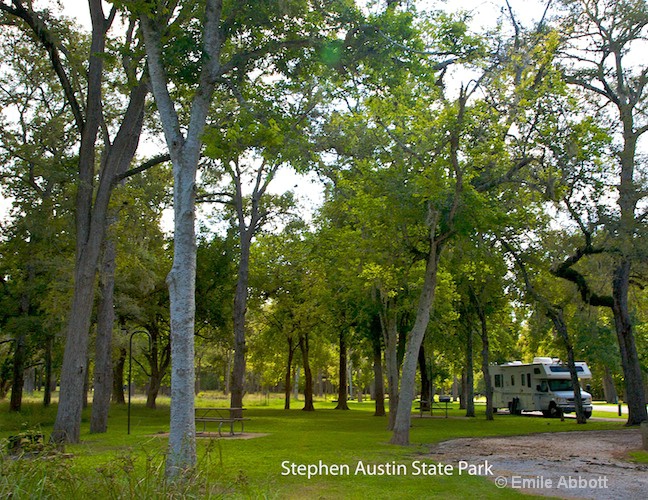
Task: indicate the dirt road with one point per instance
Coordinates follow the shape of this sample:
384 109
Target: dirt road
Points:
591 464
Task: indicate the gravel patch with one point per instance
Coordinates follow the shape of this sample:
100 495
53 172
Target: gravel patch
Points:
589 464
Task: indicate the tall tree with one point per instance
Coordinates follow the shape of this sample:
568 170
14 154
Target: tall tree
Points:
227 46
252 140
460 173
94 191
36 154
602 38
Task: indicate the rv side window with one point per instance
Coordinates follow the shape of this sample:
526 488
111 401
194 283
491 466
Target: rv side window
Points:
528 380
512 379
498 380
522 378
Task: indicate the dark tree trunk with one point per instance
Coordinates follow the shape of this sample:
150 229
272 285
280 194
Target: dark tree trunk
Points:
18 373
379 384
469 394
308 376
635 396
47 388
118 378
609 389
86 383
288 385
240 308
463 391
389 329
103 345
556 316
20 351
425 379
486 365
158 361
481 313
342 388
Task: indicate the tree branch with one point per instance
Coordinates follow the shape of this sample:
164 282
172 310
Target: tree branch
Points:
156 160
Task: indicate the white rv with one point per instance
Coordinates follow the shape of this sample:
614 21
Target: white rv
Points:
544 385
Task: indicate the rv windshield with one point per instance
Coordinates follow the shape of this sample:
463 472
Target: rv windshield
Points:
560 385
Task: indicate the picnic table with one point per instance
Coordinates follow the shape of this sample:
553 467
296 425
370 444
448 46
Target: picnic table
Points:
221 416
425 405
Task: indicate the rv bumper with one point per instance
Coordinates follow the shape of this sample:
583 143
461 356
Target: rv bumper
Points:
571 408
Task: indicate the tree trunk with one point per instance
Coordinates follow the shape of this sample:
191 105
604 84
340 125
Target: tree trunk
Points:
103 344
425 379
379 385
414 340
47 386
152 391
18 373
155 377
388 320
228 372
118 378
635 396
609 389
240 308
558 320
342 387
486 364
308 376
181 281
86 383
463 390
469 394
90 226
288 386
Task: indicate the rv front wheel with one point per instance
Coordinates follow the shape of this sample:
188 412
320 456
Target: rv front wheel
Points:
554 411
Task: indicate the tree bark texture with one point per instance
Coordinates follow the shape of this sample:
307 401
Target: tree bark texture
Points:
414 340
103 369
91 220
159 358
184 151
485 355
118 378
425 379
635 395
240 309
469 394
47 389
343 383
389 326
18 373
609 389
560 326
181 281
288 381
308 375
379 384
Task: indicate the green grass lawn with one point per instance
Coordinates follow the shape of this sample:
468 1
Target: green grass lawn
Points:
117 465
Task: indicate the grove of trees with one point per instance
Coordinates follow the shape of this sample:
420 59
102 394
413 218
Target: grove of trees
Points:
484 192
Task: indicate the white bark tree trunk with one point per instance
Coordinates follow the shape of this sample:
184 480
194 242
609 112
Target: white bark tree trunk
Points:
185 153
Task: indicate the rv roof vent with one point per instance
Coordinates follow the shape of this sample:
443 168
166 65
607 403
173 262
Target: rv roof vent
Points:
515 363
543 360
